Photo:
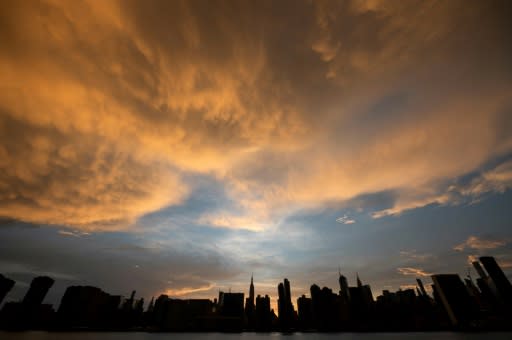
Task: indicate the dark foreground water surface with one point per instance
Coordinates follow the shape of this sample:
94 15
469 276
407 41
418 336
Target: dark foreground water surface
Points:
248 336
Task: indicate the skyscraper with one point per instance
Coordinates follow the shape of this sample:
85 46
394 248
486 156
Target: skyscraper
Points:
251 291
422 287
6 285
38 290
344 292
501 282
287 291
250 308
263 315
479 270
455 298
281 299
285 307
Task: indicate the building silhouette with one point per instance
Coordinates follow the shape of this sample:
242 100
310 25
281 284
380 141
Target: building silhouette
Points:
285 306
250 307
263 322
344 291
88 307
305 312
231 311
501 283
455 304
39 287
6 285
30 312
454 297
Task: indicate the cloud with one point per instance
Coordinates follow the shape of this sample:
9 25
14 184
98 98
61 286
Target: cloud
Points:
471 258
409 271
476 243
415 256
495 180
187 290
345 220
74 233
144 96
231 222
507 264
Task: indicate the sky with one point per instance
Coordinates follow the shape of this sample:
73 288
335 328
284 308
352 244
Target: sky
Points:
179 147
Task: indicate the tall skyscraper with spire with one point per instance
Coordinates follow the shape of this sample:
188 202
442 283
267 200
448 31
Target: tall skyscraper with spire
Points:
251 291
250 307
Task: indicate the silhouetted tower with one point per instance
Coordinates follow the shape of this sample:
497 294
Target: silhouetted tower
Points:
422 288
453 295
281 299
263 315
359 283
479 270
287 291
38 290
486 285
250 307
501 282
251 291
285 307
344 292
6 285
305 312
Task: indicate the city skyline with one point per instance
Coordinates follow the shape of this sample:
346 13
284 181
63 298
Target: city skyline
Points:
468 304
179 146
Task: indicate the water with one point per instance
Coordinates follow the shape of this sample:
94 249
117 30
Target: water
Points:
248 336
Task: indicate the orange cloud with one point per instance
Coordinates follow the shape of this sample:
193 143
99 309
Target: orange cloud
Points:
474 242
107 106
188 290
409 271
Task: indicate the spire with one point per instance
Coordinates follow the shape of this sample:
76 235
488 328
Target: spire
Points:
359 283
251 290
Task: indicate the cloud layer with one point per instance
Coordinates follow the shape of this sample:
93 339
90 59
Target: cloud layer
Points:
107 108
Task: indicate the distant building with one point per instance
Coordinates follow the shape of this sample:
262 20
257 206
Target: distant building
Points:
90 307
502 284
250 308
30 313
231 304
263 317
38 290
326 309
305 312
422 291
454 298
285 306
344 291
183 315
6 285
